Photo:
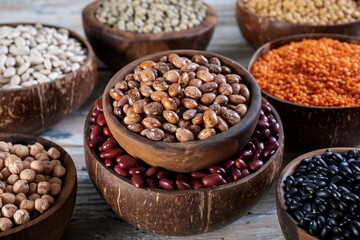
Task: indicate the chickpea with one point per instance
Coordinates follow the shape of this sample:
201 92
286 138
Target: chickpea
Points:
59 171
2 185
48 167
28 205
21 186
32 188
10 159
53 153
20 150
55 189
55 162
50 199
16 167
4 146
8 188
10 145
5 172
33 196
28 175
36 148
2 160
37 166
41 205
56 180
5 224
42 156
8 198
44 188
40 178
21 216
1 191
29 158
12 179
26 164
8 210
19 198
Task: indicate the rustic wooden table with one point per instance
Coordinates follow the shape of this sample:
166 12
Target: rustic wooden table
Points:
92 218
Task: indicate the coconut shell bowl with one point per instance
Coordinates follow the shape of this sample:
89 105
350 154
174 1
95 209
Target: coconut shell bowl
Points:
289 225
310 127
52 223
180 212
30 109
177 156
258 30
117 48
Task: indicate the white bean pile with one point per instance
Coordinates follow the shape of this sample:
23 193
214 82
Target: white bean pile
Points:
31 55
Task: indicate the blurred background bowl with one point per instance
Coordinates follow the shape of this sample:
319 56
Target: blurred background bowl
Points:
178 156
116 48
53 223
181 212
310 127
258 30
30 109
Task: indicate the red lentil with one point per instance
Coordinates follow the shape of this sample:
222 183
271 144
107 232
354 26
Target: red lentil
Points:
323 72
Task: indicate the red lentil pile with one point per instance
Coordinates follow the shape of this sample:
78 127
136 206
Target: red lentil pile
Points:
323 72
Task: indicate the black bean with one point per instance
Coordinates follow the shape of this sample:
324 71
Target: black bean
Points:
354 209
306 197
304 222
357 177
352 154
337 157
355 228
298 215
324 194
334 170
320 201
351 197
333 186
320 220
313 228
349 180
292 191
306 207
337 231
347 234
325 232
321 162
335 179
310 187
305 161
323 209
311 215
288 201
355 168
332 203
342 207
332 222
333 237
296 199
294 206
336 195
345 169
335 214
326 154
322 170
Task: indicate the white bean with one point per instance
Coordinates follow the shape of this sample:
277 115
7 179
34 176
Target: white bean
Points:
9 72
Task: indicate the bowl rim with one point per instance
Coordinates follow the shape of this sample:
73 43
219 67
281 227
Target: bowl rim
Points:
188 191
230 133
89 56
289 170
65 191
89 18
266 47
295 24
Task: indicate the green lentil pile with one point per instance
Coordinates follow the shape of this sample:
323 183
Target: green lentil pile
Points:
313 12
151 16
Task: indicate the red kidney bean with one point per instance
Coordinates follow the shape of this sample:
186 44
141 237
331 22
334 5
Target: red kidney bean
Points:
213 179
137 170
256 165
96 141
257 143
272 118
196 183
93 119
95 113
152 182
251 146
167 183
182 185
217 169
258 154
92 126
197 175
270 149
138 181
98 104
244 173
100 120
126 161
272 139
256 133
121 171
265 134
228 178
236 174
262 124
228 165
182 177
240 164
96 131
246 155
163 174
274 128
266 109
109 162
111 153
151 172
108 144
264 118
106 131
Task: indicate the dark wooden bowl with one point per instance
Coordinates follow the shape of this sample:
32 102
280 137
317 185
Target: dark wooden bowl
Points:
31 109
181 212
259 30
184 157
288 224
117 48
314 127
53 223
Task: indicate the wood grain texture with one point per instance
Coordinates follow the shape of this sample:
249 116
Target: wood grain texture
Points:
287 222
319 127
31 109
118 48
59 215
259 30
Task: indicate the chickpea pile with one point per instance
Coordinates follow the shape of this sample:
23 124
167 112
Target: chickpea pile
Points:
178 99
29 181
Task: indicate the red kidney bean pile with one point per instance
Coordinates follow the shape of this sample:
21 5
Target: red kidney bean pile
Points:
323 195
262 145
178 99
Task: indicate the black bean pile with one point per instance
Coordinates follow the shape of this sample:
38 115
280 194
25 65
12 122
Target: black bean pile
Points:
323 195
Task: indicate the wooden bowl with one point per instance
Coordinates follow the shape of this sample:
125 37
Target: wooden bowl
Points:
258 30
288 224
53 223
180 212
30 109
117 48
311 127
184 157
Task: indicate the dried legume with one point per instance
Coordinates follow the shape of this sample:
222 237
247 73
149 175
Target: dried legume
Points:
322 72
